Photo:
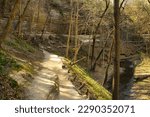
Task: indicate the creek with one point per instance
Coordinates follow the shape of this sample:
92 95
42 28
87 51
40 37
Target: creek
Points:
132 88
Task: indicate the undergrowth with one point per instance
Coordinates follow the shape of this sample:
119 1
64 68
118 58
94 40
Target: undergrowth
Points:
20 44
7 63
9 88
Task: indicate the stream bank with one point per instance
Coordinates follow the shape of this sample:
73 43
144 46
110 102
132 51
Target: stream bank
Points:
138 88
134 80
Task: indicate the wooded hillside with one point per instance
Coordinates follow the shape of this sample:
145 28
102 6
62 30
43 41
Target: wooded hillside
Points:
98 47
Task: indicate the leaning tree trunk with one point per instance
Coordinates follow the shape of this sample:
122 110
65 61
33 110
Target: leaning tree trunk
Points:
109 62
44 27
107 2
10 20
116 78
101 51
22 15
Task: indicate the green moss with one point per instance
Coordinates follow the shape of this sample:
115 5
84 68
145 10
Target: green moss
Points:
95 88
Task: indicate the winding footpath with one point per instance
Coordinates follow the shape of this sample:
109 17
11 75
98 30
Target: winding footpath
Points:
43 82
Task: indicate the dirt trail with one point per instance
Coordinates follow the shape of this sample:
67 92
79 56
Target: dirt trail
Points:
52 67
66 88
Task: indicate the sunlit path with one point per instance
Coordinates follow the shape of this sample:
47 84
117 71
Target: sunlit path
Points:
43 82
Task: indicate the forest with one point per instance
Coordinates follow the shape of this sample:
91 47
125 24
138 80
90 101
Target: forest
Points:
75 49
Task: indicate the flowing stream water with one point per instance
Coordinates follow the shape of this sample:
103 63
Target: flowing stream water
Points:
136 88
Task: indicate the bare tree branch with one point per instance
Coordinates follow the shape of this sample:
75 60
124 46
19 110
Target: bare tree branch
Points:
107 3
123 4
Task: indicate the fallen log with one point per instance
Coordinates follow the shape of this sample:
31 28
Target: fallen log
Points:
93 87
141 77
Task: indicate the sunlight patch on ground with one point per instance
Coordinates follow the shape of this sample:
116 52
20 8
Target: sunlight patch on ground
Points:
52 57
55 59
143 68
67 89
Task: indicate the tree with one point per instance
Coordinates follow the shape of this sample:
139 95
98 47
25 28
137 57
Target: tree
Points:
44 27
107 3
139 16
116 78
76 31
38 13
69 32
121 8
20 24
9 23
3 6
102 50
21 17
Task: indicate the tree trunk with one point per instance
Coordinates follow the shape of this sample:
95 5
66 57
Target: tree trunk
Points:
116 78
97 58
38 14
109 63
8 25
69 33
107 2
22 16
44 27
20 24
76 31
3 7
31 22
